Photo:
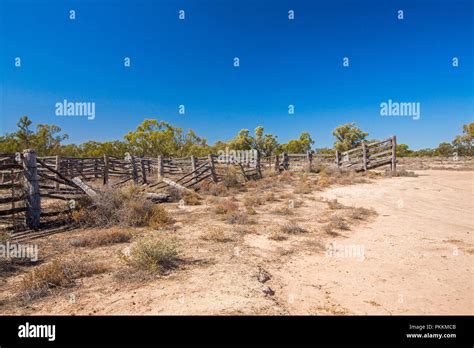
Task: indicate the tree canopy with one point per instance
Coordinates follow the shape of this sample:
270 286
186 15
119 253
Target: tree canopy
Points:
153 137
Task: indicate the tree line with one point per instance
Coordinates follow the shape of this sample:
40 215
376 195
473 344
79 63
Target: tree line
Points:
152 138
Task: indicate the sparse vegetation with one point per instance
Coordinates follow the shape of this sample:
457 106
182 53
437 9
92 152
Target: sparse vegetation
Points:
102 238
400 173
360 213
237 217
192 198
277 235
210 188
216 234
153 254
292 228
253 200
339 223
4 237
126 208
56 274
230 179
334 204
225 207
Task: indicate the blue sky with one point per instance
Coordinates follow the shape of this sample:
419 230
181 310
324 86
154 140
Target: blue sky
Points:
282 62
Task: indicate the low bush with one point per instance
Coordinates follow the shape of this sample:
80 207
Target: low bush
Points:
216 234
102 238
292 228
153 254
126 208
239 218
225 207
57 274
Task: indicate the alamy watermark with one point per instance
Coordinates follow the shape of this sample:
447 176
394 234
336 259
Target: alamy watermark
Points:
345 251
19 251
67 108
244 157
404 109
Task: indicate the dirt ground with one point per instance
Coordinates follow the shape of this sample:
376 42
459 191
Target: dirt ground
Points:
414 256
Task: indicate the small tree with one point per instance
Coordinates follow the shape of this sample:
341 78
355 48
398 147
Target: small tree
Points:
445 149
301 145
403 150
265 144
464 143
348 136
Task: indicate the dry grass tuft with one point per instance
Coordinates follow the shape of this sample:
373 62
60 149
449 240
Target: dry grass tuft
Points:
213 189
102 238
278 236
292 228
126 208
250 211
304 187
269 197
239 218
285 176
361 213
329 230
192 198
151 254
400 173
253 200
159 217
334 204
284 210
174 193
230 178
57 274
339 223
216 234
225 207
4 237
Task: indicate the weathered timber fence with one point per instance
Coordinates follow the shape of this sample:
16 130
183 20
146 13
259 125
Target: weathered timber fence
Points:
32 188
364 157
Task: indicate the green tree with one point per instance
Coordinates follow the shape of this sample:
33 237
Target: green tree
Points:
47 139
301 145
153 138
265 144
348 136
403 150
445 149
464 143
24 133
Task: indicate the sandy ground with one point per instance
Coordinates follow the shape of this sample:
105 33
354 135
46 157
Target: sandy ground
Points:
418 252
414 257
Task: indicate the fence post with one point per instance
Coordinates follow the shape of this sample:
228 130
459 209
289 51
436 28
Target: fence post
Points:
160 167
338 160
134 170
96 168
193 167
286 160
394 153
106 169
143 169
212 167
309 157
57 166
364 155
277 163
257 165
33 198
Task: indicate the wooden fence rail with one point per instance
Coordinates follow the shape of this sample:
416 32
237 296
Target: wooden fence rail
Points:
25 178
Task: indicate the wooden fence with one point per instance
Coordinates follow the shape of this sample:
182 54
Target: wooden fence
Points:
34 189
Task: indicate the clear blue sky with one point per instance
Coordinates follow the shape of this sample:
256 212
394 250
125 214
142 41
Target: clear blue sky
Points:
283 62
